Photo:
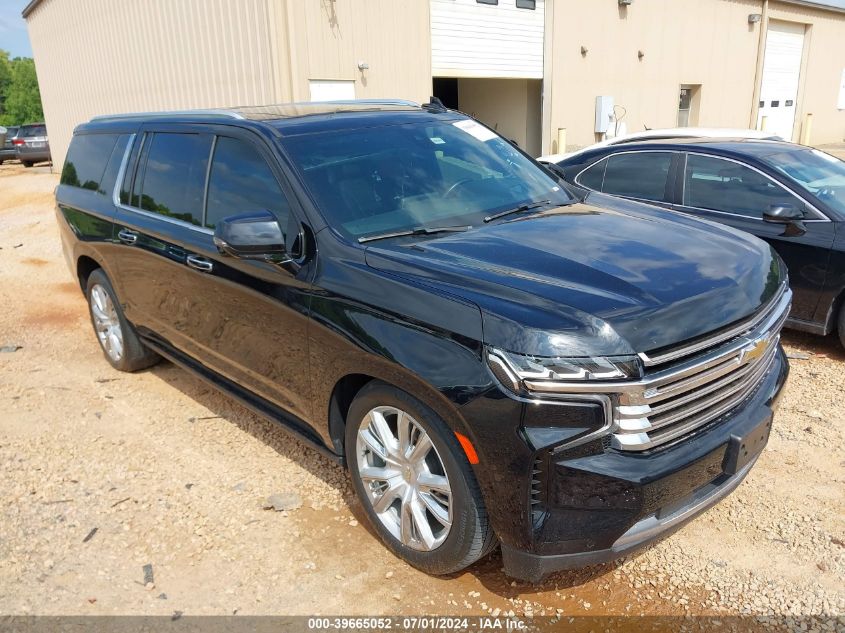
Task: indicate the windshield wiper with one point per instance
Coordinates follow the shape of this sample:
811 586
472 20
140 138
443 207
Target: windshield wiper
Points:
420 230
523 207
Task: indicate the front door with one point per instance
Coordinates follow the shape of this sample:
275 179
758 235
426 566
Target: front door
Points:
726 191
244 320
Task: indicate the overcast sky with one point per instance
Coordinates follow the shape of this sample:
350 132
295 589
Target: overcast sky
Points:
13 36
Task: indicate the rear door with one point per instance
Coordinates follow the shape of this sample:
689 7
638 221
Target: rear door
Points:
84 201
244 320
733 193
646 176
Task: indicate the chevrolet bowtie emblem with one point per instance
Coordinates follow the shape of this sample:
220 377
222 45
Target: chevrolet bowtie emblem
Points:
754 350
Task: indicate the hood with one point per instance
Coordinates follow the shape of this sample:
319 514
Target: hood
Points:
580 280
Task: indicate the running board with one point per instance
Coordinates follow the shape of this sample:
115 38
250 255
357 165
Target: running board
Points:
258 405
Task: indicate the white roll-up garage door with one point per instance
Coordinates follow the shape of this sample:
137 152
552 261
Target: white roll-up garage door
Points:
781 74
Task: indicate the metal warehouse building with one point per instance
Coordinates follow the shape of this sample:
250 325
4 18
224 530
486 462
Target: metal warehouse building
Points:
551 75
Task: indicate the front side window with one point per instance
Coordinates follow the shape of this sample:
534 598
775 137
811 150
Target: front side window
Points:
723 185
86 160
400 177
642 175
816 172
171 176
241 181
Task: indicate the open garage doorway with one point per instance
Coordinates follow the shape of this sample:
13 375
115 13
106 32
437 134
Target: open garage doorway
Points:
512 107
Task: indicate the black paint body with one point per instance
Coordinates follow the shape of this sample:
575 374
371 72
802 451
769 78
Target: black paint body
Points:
814 252
295 341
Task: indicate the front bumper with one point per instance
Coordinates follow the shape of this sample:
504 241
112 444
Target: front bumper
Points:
592 506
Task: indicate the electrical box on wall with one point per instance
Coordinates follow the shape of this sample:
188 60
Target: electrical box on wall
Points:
604 113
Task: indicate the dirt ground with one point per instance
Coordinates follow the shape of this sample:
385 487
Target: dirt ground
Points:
104 473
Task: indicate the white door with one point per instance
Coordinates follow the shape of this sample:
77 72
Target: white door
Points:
781 72
331 90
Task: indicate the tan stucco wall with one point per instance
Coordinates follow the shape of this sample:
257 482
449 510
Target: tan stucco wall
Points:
824 61
707 42
509 106
216 53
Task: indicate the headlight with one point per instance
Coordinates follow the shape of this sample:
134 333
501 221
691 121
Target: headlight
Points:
519 372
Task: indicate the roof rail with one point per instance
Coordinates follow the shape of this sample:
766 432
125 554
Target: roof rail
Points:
402 102
215 113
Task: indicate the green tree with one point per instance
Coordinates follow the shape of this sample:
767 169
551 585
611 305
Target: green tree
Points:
20 99
5 78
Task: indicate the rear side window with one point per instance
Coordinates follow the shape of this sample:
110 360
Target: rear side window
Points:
593 176
171 177
241 181
638 175
86 161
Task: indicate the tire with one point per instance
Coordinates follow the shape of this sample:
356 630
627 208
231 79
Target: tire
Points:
26 163
118 340
469 537
841 325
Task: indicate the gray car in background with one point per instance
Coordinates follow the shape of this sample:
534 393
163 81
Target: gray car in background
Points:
7 148
31 144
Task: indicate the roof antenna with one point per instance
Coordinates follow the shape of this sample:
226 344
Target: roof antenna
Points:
434 105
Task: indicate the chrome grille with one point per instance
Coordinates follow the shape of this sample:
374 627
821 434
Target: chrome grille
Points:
719 375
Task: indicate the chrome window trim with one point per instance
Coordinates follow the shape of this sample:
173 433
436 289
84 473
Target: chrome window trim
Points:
630 151
821 217
577 179
121 174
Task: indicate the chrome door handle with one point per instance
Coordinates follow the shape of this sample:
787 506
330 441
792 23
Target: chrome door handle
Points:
127 236
200 263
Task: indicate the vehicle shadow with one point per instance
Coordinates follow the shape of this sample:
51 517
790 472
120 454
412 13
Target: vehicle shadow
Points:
273 434
490 573
220 406
821 346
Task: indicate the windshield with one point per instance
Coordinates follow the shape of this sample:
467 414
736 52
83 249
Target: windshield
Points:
432 174
821 174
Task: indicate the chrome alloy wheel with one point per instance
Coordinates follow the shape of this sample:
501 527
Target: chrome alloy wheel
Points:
106 322
404 478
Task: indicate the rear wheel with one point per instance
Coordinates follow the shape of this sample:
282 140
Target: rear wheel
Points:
841 325
414 482
120 343
27 163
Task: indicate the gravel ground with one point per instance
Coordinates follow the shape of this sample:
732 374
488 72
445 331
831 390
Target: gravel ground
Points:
105 473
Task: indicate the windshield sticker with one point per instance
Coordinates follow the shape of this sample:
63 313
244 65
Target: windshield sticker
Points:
474 129
437 140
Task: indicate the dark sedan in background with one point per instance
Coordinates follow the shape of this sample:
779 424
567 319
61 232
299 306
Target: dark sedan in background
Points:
32 145
790 195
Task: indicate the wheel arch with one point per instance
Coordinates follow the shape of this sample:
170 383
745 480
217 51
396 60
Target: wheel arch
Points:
85 265
350 385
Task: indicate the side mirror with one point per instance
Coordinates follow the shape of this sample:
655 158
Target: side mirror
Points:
784 213
254 235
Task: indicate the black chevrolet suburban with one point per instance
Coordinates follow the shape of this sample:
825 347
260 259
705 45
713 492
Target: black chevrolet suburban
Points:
493 359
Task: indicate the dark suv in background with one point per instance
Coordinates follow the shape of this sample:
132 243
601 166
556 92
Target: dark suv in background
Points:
413 296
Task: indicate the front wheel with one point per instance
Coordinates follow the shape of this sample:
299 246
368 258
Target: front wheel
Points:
414 482
120 343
